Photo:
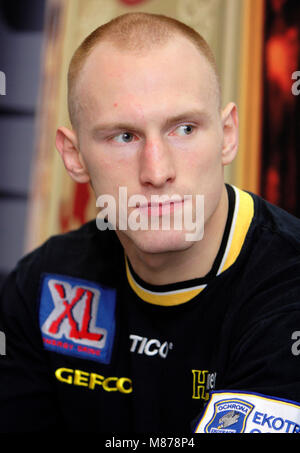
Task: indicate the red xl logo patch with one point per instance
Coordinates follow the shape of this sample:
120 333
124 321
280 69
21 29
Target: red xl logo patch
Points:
72 319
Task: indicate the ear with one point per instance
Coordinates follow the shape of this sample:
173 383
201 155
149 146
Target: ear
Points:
230 126
67 146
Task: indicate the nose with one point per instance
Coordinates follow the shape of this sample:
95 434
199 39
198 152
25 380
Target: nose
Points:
156 164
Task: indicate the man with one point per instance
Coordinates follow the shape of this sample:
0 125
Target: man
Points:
154 329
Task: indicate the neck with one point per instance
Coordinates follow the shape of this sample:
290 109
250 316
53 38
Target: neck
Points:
193 262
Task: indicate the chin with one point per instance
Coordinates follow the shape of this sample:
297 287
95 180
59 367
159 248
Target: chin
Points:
159 241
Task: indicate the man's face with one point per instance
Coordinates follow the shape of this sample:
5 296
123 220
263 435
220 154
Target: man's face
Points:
152 124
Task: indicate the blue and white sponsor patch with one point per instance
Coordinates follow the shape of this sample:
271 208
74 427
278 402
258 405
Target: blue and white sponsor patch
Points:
77 317
241 412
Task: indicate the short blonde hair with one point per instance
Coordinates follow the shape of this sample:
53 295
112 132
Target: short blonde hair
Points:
134 32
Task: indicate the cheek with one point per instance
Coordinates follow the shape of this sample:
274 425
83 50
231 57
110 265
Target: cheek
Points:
204 161
108 174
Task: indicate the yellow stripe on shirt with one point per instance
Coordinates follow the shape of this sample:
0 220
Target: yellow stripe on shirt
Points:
242 218
162 298
241 221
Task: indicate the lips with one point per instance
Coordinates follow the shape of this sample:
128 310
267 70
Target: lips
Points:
159 209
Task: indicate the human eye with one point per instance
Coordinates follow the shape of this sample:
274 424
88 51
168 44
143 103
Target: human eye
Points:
124 137
184 129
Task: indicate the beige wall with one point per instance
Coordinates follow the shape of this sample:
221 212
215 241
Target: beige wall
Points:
221 22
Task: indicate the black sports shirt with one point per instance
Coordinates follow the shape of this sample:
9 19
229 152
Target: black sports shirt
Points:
92 347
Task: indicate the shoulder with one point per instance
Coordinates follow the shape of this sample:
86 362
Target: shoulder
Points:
279 223
85 253
272 243
267 273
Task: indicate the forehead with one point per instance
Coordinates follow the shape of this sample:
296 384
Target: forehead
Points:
174 73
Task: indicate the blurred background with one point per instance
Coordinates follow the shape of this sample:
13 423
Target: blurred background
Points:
256 44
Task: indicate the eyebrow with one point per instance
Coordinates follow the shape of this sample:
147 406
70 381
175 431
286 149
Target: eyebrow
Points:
189 115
